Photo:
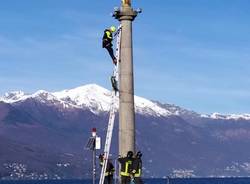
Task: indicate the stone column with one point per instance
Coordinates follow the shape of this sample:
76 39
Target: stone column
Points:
126 80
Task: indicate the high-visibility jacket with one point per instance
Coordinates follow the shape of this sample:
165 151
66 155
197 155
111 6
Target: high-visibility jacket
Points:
137 167
110 168
126 166
107 38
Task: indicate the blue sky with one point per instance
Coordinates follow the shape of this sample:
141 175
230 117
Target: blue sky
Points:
192 53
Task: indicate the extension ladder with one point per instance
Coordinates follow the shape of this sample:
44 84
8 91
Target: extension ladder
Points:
112 109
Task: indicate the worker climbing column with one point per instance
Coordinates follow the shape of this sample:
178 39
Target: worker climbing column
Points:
126 15
112 109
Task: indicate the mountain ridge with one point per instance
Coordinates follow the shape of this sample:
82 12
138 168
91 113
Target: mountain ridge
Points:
43 135
98 100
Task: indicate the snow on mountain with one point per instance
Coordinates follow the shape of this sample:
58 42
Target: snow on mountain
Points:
92 96
17 96
12 96
98 99
230 116
148 107
41 95
178 111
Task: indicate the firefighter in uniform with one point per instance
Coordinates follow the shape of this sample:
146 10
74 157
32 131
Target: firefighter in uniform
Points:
109 170
107 42
137 168
126 167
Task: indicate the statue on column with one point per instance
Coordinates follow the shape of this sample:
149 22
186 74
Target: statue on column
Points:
126 2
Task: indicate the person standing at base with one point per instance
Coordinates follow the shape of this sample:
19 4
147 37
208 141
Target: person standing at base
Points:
126 167
137 168
109 173
109 170
107 42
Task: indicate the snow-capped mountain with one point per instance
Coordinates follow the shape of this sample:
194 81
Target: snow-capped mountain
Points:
92 96
98 99
45 130
229 116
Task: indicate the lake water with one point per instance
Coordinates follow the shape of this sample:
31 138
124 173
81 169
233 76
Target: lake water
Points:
149 181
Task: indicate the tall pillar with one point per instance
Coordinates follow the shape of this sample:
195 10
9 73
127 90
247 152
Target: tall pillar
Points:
126 80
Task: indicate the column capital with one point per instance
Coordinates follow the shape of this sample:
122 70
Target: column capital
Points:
125 13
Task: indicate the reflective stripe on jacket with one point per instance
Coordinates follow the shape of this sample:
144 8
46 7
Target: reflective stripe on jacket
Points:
109 169
138 174
137 167
126 166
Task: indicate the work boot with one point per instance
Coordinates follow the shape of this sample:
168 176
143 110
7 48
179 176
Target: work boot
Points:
115 61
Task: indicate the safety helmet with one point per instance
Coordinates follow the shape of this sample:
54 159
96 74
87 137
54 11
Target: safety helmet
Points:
112 29
138 154
130 154
101 156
